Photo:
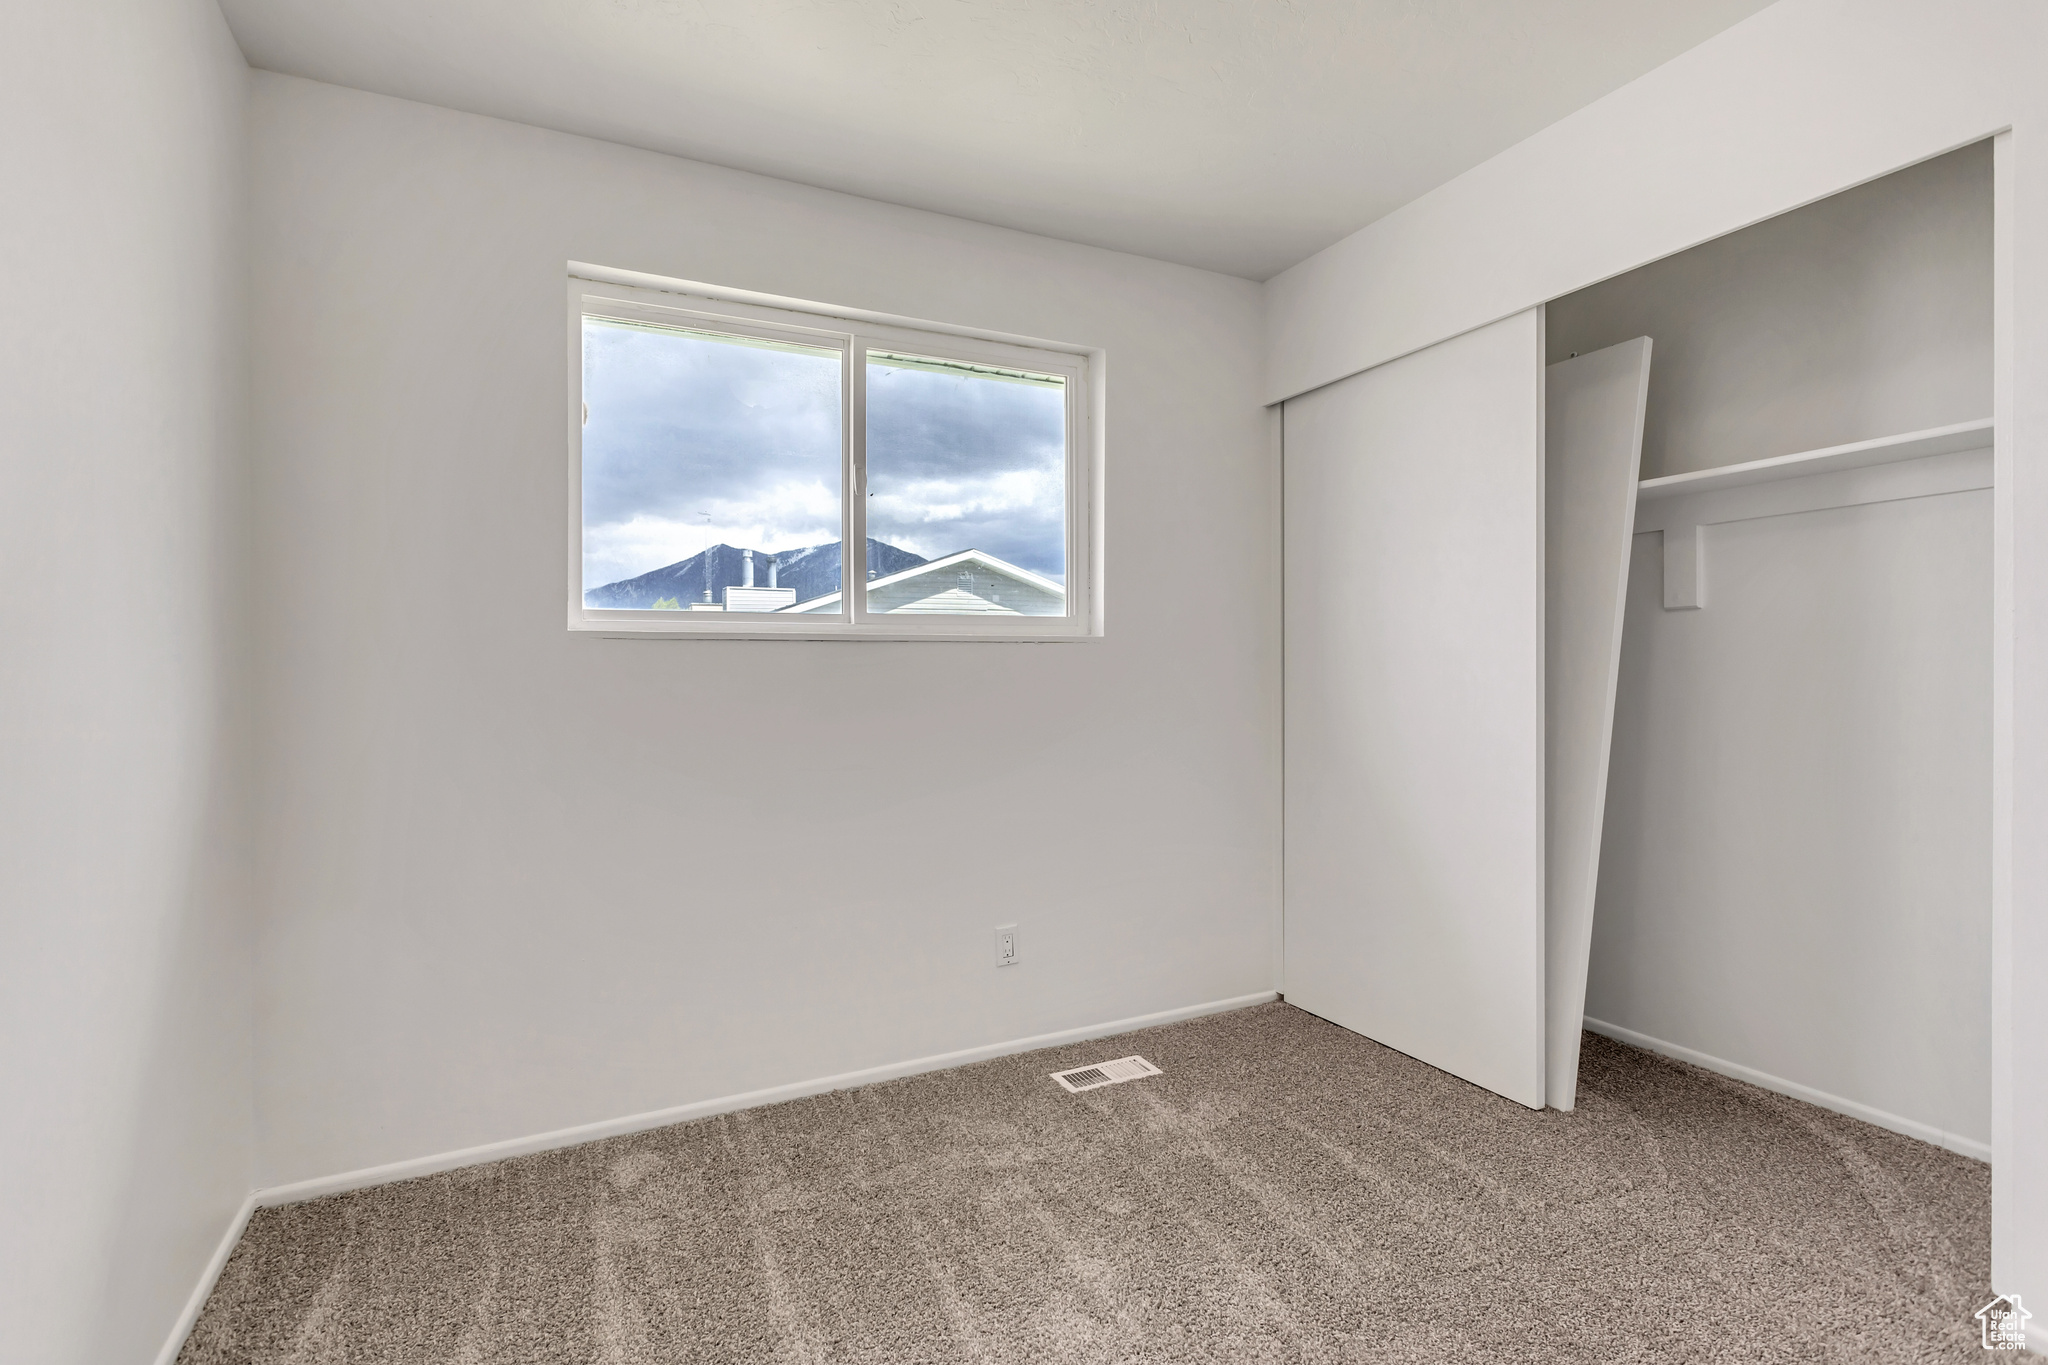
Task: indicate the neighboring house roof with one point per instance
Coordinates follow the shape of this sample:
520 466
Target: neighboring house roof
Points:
970 583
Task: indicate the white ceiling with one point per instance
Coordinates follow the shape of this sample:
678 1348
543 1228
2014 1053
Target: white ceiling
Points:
1239 135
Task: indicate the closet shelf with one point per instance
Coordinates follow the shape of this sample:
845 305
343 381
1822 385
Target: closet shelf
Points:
1857 455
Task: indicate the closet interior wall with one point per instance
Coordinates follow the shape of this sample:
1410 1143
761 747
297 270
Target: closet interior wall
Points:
1795 875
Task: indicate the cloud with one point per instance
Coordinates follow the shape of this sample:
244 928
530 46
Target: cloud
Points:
1018 515
960 462
614 550
693 441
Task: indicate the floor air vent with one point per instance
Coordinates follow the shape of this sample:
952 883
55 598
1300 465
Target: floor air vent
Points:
1081 1078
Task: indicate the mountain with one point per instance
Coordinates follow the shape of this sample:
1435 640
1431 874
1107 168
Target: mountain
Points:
812 571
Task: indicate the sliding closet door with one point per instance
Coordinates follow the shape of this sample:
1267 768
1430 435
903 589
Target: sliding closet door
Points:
1414 695
1593 451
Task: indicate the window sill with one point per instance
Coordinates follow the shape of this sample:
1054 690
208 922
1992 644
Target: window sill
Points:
981 634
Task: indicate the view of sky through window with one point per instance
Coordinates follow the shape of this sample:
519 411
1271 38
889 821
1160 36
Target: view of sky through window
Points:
712 469
695 439
966 457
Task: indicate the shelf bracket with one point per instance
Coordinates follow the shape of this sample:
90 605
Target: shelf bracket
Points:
1919 464
1685 567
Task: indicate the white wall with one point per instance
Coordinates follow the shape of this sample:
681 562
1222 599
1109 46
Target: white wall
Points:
1796 871
1805 99
518 879
124 938
1865 314
1801 101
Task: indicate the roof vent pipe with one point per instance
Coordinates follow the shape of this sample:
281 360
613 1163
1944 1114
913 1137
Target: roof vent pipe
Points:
746 568
772 565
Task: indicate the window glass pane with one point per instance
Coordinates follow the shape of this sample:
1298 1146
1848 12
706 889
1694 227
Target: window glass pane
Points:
711 471
967 489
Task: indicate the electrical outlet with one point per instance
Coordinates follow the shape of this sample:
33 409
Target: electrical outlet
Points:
1006 945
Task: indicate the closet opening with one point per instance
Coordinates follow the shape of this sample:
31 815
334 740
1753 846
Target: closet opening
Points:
1794 872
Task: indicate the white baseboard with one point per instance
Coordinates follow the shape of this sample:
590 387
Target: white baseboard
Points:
752 1099
207 1279
1912 1128
635 1123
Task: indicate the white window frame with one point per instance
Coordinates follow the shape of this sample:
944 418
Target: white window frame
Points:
704 308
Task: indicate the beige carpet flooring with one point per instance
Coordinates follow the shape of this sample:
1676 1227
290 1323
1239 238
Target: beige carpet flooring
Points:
1286 1191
